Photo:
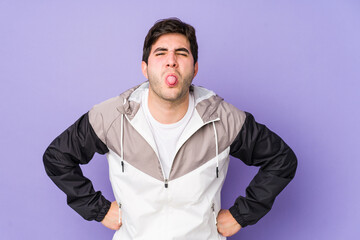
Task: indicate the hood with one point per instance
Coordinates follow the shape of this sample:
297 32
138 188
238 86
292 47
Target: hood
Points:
206 101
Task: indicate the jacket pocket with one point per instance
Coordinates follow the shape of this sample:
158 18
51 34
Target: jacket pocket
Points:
213 212
120 212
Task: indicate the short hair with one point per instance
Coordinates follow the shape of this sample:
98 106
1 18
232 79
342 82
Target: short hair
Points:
170 25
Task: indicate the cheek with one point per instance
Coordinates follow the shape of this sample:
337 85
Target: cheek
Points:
189 68
154 68
155 62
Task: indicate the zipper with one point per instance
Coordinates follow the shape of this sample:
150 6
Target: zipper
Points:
217 168
166 181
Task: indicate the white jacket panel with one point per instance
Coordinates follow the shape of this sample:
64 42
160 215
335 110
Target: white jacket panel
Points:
184 209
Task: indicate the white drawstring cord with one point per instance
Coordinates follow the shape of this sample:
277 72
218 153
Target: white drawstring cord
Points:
121 142
217 151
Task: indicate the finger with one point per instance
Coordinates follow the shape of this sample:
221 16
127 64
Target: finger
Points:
116 226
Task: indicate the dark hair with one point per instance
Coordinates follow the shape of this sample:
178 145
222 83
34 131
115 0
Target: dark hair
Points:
170 25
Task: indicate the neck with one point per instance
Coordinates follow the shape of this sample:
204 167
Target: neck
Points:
167 112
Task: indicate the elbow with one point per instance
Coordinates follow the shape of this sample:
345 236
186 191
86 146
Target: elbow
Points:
54 162
47 156
291 164
285 166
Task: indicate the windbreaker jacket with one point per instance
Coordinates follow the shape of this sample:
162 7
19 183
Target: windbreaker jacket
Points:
185 205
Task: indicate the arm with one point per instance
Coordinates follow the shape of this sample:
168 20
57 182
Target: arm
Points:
77 145
256 145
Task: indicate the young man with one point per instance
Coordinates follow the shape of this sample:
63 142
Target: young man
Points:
168 144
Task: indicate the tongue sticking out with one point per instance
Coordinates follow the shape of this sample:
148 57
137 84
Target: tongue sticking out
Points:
171 81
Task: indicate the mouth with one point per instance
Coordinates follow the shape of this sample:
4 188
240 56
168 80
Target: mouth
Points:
171 80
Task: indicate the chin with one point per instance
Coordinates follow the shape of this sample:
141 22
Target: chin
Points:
172 97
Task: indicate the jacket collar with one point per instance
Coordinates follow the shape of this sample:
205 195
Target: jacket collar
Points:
206 101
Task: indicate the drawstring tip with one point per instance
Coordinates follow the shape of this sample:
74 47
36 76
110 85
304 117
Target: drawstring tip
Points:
122 166
217 172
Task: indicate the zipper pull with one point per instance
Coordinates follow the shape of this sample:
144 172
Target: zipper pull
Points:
166 183
122 166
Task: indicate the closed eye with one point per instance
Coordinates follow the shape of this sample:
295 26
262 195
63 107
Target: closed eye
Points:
160 51
182 51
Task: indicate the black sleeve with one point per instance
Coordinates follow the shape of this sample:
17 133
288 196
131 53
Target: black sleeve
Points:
256 145
77 145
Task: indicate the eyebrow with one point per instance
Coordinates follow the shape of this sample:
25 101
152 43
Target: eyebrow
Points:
161 49
182 50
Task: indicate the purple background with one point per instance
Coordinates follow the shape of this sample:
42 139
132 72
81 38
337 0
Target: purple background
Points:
294 65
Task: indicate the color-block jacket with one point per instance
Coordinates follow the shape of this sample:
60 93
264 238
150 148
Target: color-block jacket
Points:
184 206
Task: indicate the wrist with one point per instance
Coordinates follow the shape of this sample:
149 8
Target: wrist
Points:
235 213
104 210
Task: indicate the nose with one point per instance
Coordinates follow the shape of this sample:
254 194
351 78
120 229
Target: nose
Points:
171 60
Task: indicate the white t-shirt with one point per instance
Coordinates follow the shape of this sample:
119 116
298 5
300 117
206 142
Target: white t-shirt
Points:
166 136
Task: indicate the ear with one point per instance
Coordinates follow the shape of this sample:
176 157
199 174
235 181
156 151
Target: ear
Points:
144 69
196 67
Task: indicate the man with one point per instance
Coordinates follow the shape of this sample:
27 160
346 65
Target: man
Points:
168 144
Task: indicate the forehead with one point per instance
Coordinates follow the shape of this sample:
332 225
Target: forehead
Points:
171 40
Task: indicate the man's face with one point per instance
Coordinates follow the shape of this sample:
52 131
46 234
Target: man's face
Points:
170 69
